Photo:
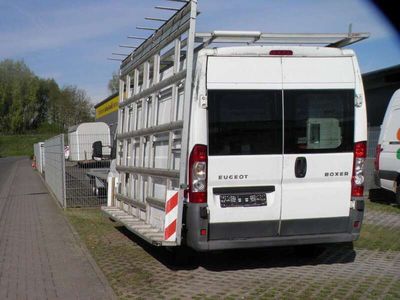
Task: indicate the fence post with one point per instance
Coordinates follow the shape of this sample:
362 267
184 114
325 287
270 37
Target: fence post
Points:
63 172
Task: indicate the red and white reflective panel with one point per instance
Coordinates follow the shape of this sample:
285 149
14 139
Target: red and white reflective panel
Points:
171 214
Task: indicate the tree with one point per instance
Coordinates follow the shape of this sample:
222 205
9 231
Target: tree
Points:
75 106
113 84
49 98
18 101
28 102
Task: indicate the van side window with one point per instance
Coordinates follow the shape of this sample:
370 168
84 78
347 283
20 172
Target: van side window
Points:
318 121
245 122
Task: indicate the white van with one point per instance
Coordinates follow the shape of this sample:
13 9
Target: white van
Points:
238 147
387 160
281 137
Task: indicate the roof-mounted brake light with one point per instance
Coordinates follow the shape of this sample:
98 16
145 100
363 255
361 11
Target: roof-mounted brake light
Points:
281 52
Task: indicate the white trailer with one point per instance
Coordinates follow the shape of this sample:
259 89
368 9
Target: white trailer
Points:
39 156
247 146
82 136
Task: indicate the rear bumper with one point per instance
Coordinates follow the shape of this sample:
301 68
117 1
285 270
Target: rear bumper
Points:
259 234
276 241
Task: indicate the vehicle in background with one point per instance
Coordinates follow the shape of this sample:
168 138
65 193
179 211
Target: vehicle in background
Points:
240 147
88 141
387 160
88 154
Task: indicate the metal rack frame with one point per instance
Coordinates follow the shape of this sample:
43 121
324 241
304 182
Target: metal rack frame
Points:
141 70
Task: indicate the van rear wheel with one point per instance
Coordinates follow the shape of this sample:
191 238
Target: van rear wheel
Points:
181 256
398 192
309 251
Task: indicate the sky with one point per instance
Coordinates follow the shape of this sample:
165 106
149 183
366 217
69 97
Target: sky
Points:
70 40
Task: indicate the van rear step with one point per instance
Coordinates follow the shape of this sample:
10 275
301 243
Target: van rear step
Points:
139 227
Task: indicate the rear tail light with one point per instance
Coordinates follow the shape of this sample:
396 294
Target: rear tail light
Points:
377 156
357 182
198 174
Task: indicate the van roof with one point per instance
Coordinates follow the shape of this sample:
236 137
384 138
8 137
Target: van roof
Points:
265 50
395 99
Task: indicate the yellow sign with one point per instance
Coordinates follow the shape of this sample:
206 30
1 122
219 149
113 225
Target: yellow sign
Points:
108 107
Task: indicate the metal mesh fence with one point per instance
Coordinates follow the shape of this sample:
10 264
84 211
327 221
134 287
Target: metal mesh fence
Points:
86 167
54 167
77 173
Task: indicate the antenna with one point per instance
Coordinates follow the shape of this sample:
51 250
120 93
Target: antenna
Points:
110 58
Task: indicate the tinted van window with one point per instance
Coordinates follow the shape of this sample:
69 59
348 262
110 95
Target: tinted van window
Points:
319 121
245 122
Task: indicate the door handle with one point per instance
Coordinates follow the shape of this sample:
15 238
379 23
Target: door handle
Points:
300 167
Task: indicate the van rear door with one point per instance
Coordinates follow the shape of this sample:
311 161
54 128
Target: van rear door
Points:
318 144
245 146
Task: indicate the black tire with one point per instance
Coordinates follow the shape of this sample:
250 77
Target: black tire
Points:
309 251
181 256
398 192
376 195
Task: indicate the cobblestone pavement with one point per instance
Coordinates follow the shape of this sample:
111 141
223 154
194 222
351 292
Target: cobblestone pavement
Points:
40 255
137 270
385 219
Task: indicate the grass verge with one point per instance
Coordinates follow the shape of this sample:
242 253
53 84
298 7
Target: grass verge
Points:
374 237
20 145
387 206
122 261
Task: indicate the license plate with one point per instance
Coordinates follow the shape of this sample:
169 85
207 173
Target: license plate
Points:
237 200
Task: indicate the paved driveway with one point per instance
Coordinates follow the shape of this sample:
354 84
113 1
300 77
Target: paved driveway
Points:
40 256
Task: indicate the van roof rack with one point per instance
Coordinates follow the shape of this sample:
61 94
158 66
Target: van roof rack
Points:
337 40
183 22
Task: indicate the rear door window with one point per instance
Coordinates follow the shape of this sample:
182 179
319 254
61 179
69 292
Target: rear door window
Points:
245 122
318 121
